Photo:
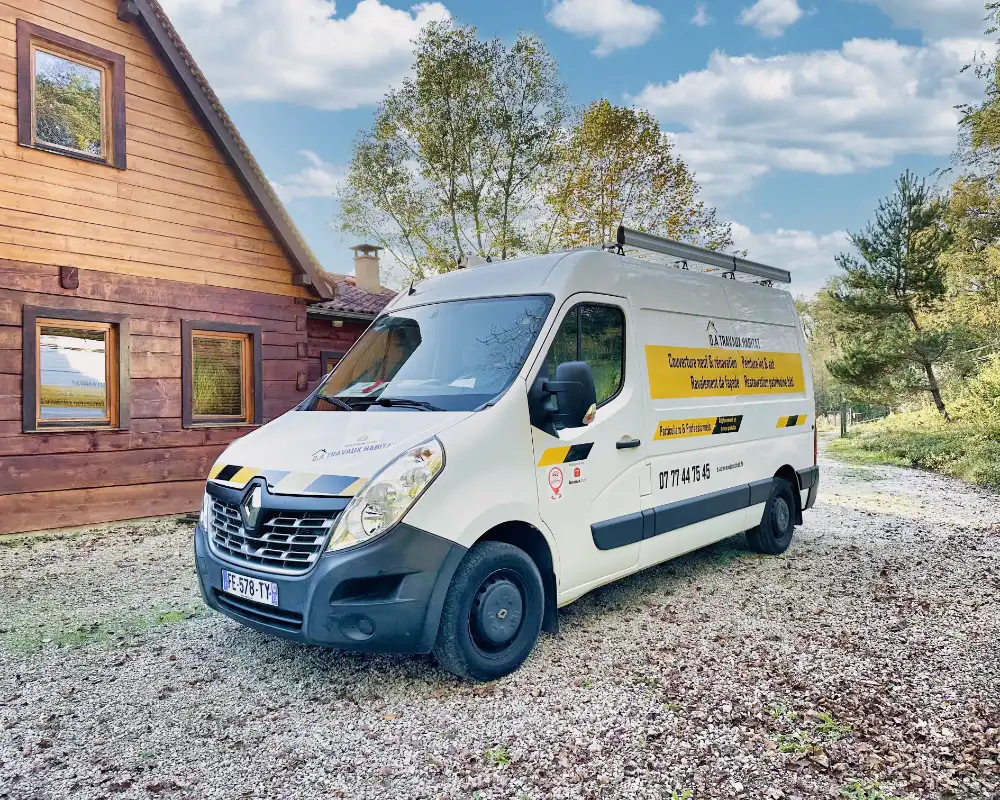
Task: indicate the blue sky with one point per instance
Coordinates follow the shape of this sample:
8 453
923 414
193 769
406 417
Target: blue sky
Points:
796 115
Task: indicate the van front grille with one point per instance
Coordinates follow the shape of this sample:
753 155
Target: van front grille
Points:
289 542
257 612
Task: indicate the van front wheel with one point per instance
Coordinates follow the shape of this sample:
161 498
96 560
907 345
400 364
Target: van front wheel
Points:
774 533
492 614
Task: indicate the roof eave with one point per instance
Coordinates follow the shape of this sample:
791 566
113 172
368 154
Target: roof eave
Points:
312 276
333 313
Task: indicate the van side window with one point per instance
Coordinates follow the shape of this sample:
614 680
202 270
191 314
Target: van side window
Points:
602 345
595 334
564 346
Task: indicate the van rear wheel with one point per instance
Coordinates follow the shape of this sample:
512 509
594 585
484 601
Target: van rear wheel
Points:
777 525
492 613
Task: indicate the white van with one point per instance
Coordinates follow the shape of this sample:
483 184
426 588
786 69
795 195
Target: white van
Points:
504 439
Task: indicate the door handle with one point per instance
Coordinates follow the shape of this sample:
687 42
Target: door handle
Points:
627 443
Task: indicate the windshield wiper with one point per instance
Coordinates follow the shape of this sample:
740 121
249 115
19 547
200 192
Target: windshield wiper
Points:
403 402
336 401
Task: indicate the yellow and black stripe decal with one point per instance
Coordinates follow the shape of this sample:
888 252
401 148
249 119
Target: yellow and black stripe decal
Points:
281 482
565 455
793 421
706 426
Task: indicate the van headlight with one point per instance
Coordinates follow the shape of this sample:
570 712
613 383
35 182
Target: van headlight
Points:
205 517
388 496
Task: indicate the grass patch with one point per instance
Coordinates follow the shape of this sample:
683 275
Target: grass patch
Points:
853 451
967 447
963 448
830 728
498 756
865 790
50 631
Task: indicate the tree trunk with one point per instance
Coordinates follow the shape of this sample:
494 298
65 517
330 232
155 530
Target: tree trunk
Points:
935 389
932 382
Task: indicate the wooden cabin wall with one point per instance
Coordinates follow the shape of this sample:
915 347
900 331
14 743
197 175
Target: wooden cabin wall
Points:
178 212
60 479
325 337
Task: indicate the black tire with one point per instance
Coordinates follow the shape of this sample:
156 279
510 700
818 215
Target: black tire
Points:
774 533
492 613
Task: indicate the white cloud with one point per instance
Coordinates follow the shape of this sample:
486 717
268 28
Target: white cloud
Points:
827 112
616 24
319 179
807 255
771 17
298 50
701 18
936 18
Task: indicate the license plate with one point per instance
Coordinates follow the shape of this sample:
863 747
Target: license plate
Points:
250 588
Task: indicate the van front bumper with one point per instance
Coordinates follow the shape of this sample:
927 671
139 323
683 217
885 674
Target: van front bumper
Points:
385 596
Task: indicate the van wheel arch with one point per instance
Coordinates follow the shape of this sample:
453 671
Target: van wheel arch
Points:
528 538
788 473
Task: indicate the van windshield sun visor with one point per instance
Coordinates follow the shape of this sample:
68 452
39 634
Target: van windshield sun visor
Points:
627 237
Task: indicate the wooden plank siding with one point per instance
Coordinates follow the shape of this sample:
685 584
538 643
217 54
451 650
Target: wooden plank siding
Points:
53 479
179 212
324 336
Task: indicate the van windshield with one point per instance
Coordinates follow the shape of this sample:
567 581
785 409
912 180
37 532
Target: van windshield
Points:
452 356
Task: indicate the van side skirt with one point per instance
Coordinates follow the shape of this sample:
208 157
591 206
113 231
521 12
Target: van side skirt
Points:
633 528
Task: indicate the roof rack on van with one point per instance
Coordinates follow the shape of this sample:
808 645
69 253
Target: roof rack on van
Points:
687 252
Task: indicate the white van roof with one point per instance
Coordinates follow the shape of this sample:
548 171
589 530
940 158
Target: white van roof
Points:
646 284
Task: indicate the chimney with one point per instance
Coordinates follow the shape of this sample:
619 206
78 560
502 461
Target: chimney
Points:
366 267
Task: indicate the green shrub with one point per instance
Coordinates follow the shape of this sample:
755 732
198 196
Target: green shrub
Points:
968 447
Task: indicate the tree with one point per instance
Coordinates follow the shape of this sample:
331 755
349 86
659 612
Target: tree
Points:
889 291
616 167
973 260
453 162
821 343
980 123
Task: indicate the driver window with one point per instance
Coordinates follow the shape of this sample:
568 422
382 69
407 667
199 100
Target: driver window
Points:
595 334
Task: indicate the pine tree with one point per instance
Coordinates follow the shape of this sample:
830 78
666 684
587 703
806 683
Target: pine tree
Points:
889 291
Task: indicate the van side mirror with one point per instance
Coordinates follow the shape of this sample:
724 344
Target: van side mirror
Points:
569 401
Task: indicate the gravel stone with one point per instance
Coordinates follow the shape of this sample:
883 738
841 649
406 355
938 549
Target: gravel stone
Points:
866 653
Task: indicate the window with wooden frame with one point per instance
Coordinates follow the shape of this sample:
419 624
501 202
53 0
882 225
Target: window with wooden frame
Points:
221 374
75 370
70 96
329 359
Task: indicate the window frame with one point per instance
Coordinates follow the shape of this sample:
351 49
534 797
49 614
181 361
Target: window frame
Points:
579 339
30 38
252 386
326 356
117 378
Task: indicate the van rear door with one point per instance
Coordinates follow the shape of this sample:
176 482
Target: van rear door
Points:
588 478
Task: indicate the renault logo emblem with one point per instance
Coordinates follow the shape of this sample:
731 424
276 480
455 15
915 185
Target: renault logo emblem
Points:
250 507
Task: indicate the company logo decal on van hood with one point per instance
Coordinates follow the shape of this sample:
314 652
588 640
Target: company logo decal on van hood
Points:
326 452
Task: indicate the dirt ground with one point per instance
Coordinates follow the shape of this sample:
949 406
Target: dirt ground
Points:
863 663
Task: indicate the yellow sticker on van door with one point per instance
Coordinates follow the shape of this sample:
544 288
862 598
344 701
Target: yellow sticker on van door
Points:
683 372
707 426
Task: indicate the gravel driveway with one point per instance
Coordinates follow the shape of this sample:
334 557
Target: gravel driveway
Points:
862 663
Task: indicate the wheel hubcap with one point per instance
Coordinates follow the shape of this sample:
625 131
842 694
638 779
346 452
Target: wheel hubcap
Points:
782 514
496 612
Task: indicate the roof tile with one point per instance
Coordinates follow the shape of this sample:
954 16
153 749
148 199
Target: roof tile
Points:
352 300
